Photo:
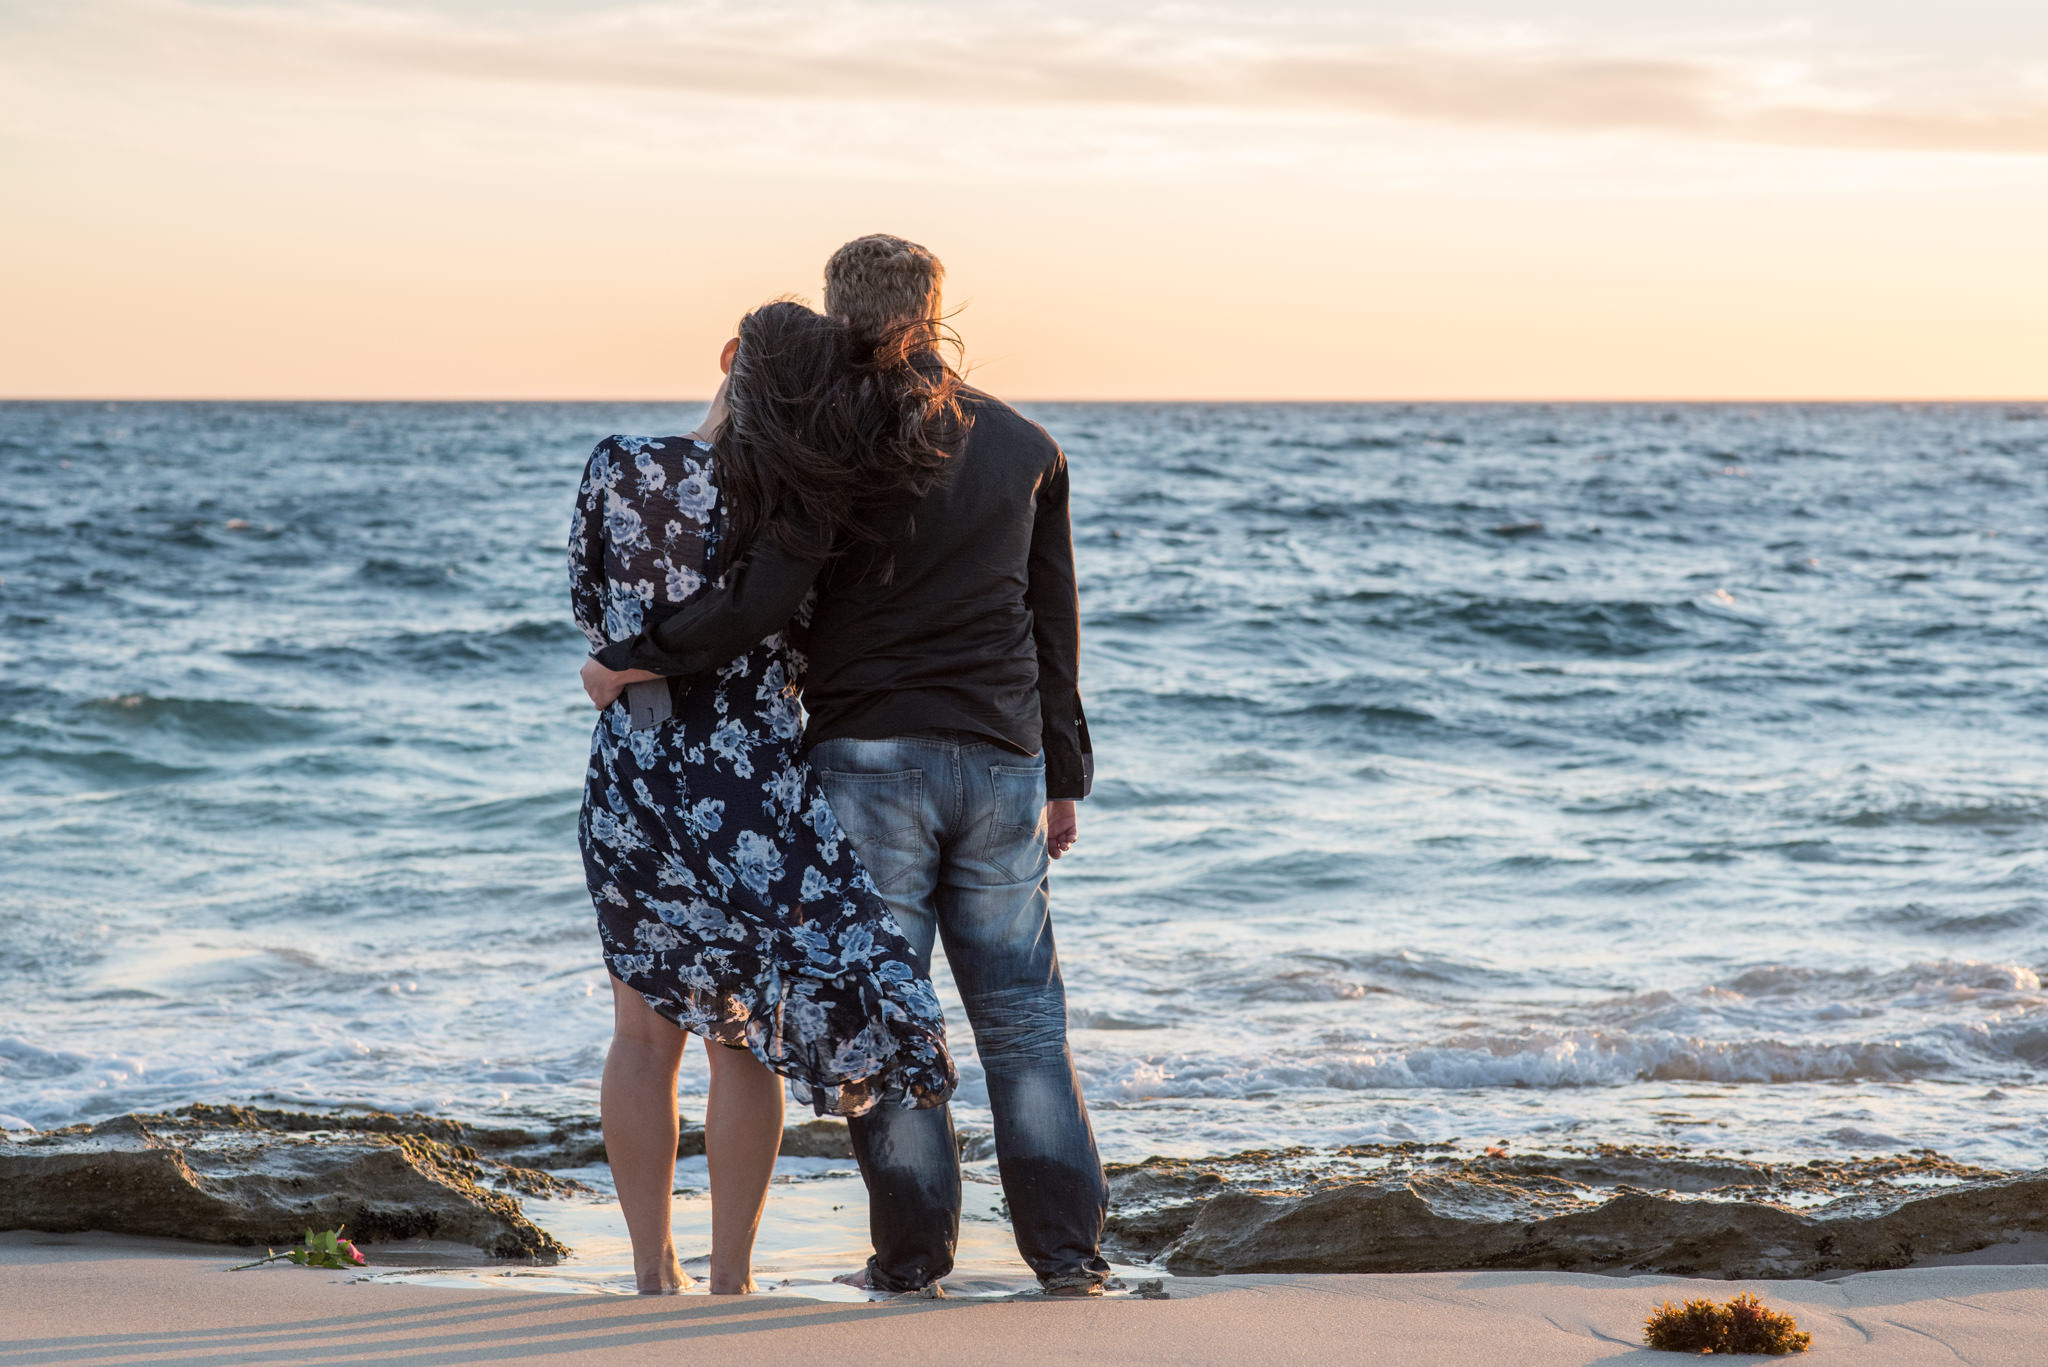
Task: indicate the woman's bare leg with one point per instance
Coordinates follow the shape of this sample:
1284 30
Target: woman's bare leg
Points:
742 1132
639 1104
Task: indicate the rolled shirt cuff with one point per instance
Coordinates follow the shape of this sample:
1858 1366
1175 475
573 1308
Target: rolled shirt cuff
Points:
1070 761
1070 781
618 655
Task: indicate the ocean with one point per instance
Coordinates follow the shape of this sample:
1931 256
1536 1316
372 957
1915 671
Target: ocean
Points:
1544 773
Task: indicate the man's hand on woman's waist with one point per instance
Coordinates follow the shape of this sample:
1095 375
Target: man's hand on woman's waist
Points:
604 685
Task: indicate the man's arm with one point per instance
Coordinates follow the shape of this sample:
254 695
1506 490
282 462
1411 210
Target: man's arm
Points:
1056 626
758 599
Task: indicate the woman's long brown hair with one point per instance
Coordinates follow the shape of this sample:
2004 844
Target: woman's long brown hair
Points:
826 426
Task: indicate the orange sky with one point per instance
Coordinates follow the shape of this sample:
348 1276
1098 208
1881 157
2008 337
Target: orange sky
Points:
530 200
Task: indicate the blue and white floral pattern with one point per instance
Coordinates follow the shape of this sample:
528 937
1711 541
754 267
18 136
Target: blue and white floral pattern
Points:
725 892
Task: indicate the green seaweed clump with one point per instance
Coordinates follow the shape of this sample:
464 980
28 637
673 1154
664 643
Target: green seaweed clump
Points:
1743 1325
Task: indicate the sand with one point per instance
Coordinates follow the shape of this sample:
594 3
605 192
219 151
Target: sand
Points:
91 1299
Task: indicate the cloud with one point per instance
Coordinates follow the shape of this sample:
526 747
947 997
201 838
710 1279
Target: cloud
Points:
1565 92
906 55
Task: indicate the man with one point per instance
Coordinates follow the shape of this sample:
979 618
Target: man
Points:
946 728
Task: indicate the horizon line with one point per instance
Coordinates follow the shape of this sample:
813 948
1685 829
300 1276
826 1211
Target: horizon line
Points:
1040 398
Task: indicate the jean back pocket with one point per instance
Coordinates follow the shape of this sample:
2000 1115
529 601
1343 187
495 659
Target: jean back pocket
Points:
884 815
1016 823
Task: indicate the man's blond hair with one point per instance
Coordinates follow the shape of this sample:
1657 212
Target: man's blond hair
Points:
881 281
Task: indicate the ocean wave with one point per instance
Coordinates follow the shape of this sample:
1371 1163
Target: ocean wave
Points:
1357 441
1772 1024
439 651
1916 982
1329 703
529 813
21 1060
452 650
1081 1018
1988 813
1920 918
1536 1060
1957 1013
1329 976
1805 1000
211 721
1598 628
1622 627
1306 985
430 576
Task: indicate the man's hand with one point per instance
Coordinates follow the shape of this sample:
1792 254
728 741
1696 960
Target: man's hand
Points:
1062 826
604 685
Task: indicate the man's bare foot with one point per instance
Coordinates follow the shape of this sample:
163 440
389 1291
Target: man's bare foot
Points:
663 1277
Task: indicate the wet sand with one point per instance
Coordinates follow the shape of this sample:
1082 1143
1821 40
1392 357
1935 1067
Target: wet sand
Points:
96 1299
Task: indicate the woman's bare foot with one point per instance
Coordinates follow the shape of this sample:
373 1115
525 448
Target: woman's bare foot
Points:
742 1132
727 1284
662 1276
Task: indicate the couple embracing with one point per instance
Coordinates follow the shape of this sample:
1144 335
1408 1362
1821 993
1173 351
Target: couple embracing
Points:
853 523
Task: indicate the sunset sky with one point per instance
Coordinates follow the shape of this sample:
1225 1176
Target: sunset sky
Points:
1469 199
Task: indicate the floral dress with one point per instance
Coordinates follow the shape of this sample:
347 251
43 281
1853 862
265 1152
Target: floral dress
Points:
726 893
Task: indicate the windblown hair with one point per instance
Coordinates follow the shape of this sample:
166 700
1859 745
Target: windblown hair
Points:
880 283
827 424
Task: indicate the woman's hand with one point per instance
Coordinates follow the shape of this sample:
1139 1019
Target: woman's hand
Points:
604 685
1062 826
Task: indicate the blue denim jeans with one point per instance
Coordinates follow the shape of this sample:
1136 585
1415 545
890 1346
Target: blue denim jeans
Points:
954 834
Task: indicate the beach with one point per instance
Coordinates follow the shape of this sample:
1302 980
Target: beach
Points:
100 1301
1393 659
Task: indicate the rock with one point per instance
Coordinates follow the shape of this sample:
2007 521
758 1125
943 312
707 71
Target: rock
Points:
575 1142
231 1180
254 1175
817 1139
1606 1210
580 1143
559 1144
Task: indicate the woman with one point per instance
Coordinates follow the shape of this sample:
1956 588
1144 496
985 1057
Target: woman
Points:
729 903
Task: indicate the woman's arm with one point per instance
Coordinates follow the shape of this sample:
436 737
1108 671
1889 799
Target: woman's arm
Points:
586 545
586 572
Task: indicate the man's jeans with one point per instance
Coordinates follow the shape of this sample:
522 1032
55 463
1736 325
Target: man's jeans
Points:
954 834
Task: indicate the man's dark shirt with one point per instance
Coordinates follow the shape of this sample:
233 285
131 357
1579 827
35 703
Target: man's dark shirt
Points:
978 631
